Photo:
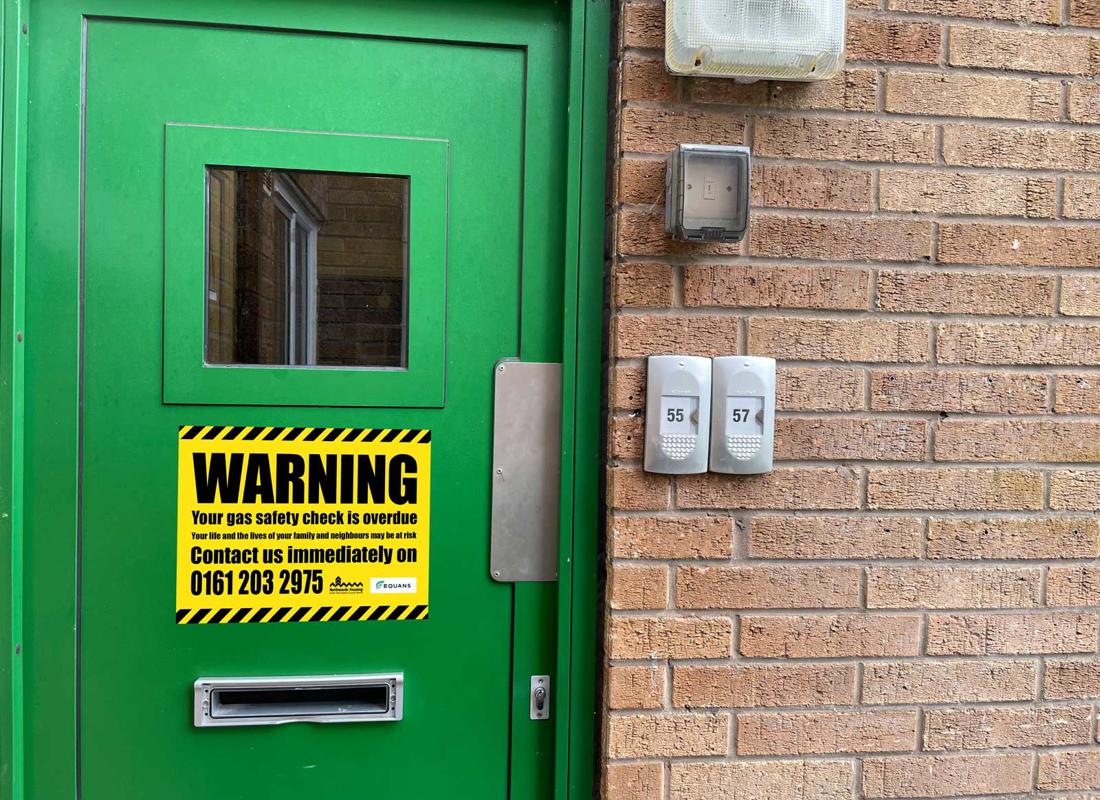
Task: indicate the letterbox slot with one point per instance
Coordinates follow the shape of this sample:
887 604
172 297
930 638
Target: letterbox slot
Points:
276 701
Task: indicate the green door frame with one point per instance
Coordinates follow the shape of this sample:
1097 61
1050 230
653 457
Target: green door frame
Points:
574 698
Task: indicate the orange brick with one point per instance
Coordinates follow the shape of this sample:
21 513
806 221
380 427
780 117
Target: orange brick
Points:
1045 11
1024 148
957 391
1071 770
635 687
1085 13
842 439
627 389
819 389
1017 440
634 490
1082 198
767 287
952 587
1080 295
826 732
638 586
786 488
643 25
642 180
763 685
636 781
841 238
942 681
964 95
1023 51
1084 102
684 537
994 728
844 139
782 536
1072 680
1074 586
891 40
1013 539
981 193
669 637
658 130
642 233
767 587
626 436
1077 393
943 776
1075 490
645 78
637 284
638 736
829 636
1017 344
805 339
1011 634
955 489
762 780
1022 245
1016 294
851 90
640 335
810 186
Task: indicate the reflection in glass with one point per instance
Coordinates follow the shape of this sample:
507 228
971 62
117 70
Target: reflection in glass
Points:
306 268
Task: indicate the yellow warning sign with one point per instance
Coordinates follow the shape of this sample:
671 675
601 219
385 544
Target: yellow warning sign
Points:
302 524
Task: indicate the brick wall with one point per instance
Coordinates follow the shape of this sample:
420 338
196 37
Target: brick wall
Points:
909 605
361 272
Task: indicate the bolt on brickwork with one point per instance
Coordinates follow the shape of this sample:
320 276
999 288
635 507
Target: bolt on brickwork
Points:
909 605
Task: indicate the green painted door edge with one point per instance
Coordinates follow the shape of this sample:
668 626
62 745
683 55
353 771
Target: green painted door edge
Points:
582 350
13 152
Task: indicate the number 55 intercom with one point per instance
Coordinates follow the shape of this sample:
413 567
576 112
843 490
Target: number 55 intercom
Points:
702 413
677 423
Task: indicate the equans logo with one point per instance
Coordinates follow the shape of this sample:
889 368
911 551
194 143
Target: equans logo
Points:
339 586
392 585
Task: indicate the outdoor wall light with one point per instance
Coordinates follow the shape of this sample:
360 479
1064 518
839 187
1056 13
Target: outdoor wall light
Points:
792 40
707 192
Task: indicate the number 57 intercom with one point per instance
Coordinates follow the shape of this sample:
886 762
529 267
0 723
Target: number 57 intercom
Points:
718 413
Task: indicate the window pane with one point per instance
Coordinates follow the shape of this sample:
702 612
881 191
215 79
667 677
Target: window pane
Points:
306 268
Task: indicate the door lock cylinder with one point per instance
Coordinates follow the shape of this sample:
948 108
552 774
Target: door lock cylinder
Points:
540 697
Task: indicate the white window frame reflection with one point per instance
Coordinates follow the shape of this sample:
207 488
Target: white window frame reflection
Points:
290 202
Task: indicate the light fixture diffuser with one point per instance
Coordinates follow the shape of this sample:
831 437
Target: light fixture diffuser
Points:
793 40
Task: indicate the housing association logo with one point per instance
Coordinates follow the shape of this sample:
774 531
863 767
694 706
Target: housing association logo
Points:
340 586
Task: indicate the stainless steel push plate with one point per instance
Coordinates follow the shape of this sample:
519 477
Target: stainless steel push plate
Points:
526 471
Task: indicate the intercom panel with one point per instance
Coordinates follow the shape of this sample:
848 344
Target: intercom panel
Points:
677 425
743 398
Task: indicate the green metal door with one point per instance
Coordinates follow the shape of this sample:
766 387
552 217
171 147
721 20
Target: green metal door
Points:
390 198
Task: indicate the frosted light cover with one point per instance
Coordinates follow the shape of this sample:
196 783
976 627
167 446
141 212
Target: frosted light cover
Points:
794 40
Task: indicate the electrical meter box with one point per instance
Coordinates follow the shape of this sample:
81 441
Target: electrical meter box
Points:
744 414
707 192
677 423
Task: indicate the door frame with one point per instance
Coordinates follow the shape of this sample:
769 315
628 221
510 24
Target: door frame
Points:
575 691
